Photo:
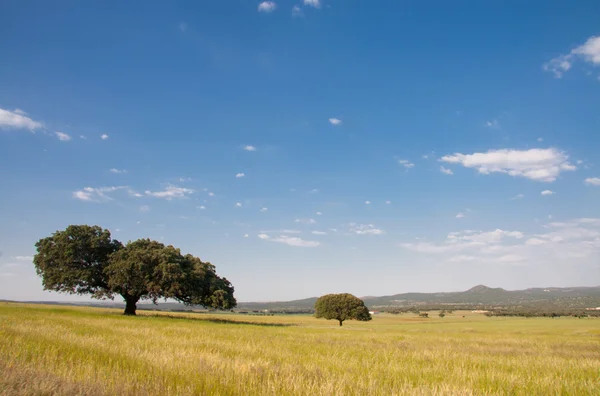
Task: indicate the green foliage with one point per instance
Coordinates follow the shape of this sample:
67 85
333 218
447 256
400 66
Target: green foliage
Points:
84 260
442 314
73 261
341 307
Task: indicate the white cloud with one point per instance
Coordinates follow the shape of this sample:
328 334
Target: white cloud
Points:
335 121
548 192
249 148
297 11
536 164
238 204
104 136
319 233
117 171
305 221
144 208
264 209
201 207
406 163
62 136
367 202
536 241
365 229
446 171
185 179
592 181
91 194
313 3
134 193
291 241
23 258
267 6
17 120
487 241
318 213
239 175
518 196
246 235
460 215
510 258
171 192
314 191
588 52
492 124
461 258
388 202
211 194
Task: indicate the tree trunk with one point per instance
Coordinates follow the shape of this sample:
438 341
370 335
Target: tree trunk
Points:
130 305
340 322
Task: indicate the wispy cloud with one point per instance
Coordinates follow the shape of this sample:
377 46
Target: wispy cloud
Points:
592 181
171 192
267 6
249 148
288 240
367 202
494 124
388 202
518 196
23 258
460 215
335 121
536 164
319 233
365 229
313 3
406 163
263 210
63 137
588 52
548 192
91 194
305 221
144 208
239 175
238 204
446 171
104 136
117 171
17 120
297 11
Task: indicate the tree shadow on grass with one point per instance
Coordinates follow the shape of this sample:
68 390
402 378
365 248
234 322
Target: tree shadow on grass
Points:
219 320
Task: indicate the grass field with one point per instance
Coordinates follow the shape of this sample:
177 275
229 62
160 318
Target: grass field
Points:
72 351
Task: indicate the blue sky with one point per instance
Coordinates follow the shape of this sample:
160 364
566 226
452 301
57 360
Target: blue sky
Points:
308 147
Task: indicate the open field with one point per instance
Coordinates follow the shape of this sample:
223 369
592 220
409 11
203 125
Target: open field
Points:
73 350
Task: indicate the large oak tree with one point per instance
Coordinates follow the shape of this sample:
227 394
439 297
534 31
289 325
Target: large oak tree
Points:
84 259
341 307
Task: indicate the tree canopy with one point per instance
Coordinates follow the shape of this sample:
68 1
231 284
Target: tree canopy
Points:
84 259
341 307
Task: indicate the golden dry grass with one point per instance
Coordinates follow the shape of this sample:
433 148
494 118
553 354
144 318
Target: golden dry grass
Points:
69 350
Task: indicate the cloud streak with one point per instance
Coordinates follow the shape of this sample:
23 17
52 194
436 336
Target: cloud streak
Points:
543 165
17 120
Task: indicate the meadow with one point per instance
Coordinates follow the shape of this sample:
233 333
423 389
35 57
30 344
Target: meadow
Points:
90 351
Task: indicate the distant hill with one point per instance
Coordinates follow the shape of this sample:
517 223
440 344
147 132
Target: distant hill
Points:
480 295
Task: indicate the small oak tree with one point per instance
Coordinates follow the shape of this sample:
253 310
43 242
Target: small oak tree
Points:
84 259
341 307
